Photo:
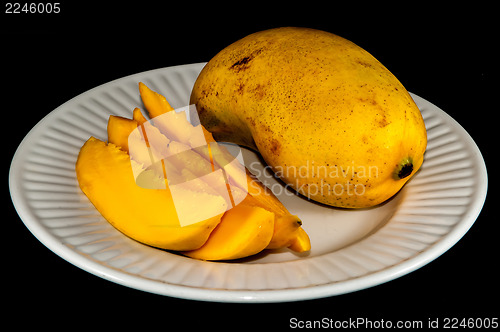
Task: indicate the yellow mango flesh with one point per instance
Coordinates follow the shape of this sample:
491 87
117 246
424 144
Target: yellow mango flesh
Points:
105 175
301 242
138 116
155 103
243 231
119 129
330 119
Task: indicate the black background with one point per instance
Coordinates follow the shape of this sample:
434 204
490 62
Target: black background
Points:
444 55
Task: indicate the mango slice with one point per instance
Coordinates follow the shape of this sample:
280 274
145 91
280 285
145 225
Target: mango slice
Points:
302 242
105 175
119 128
138 116
243 231
155 103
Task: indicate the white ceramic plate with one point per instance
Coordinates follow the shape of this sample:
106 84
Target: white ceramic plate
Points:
351 249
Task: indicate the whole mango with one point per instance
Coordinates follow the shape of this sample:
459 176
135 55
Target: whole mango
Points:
329 119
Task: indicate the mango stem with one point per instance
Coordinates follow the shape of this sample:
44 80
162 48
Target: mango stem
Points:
403 169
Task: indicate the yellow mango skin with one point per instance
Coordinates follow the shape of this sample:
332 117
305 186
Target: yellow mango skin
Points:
329 118
104 174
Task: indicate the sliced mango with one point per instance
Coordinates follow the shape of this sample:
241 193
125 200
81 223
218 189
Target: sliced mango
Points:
154 102
138 116
119 128
243 231
150 216
170 185
302 242
286 225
